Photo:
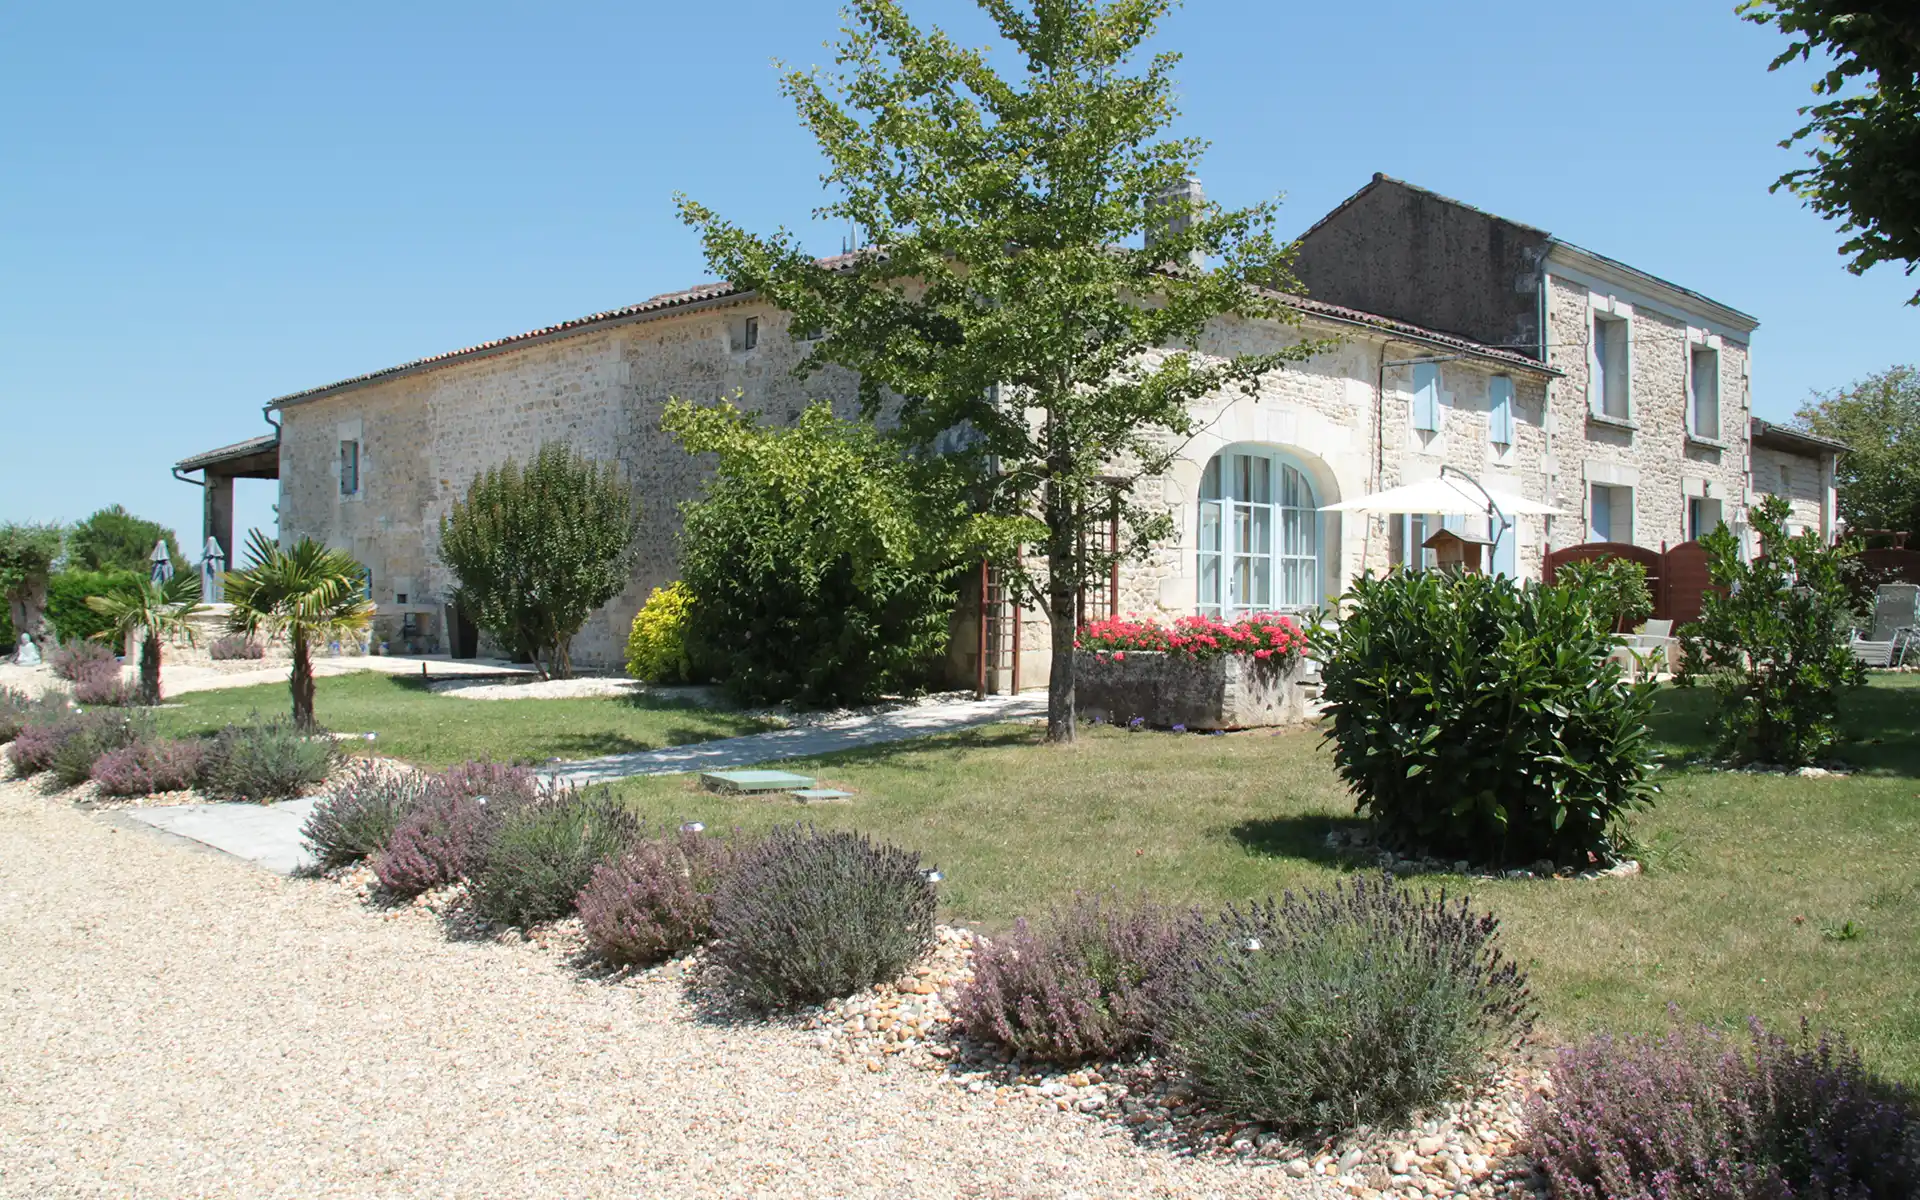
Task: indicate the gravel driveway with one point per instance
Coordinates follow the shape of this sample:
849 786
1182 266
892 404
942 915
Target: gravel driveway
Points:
179 1024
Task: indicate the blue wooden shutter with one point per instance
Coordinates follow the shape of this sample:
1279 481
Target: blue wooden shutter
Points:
1500 410
1426 396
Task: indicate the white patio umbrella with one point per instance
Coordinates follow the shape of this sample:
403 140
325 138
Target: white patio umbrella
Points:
1449 496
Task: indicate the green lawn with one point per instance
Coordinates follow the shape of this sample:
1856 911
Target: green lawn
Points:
436 731
1750 884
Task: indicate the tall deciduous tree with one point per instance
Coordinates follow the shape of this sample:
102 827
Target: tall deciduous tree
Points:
536 550
1864 132
1879 417
1034 289
113 539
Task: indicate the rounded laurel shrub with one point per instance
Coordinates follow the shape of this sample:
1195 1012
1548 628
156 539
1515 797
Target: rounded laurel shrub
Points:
1353 1006
362 807
149 768
657 643
656 900
1082 984
267 759
1475 718
1697 1114
807 916
539 855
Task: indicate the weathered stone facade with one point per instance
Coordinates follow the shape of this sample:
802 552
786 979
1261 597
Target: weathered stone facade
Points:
424 436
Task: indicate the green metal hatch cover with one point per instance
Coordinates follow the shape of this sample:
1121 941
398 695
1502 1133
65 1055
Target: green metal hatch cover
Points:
754 781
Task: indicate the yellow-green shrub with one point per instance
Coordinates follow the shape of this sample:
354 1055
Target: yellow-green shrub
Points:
657 646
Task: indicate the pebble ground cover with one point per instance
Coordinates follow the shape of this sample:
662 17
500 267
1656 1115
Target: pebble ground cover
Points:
1776 896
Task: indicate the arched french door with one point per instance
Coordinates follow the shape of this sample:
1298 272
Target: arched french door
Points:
1259 535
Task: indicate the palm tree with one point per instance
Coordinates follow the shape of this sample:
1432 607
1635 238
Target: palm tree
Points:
153 612
307 594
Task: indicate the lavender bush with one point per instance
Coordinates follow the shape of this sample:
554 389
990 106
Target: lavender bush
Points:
103 685
807 916
70 660
234 646
362 807
1082 984
538 855
1343 1007
502 783
148 768
434 845
1698 1116
87 736
19 710
442 839
267 759
656 900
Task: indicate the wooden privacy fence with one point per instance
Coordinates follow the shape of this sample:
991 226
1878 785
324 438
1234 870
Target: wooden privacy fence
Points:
1676 576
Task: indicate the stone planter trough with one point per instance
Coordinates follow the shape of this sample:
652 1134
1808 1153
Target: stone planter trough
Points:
1230 691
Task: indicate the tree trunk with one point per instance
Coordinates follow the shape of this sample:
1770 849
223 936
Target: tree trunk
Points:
301 681
27 609
1062 578
150 669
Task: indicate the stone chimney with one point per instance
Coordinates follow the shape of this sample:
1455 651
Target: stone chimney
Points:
1186 198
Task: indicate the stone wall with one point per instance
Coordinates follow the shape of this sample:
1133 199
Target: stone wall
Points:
1652 452
425 437
1801 478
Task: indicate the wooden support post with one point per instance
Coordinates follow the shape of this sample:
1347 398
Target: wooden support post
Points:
980 681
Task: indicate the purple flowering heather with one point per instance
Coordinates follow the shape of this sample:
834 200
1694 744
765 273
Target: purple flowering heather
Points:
656 900
1694 1115
1079 986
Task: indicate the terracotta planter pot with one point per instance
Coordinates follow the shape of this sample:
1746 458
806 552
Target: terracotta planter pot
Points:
1229 691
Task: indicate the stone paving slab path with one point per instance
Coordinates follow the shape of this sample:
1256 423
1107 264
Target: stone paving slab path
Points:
804 741
266 835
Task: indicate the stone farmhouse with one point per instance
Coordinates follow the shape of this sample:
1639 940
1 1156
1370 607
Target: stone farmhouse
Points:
1438 311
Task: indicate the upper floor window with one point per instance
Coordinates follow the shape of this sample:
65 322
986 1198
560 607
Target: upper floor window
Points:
1500 410
349 467
1426 397
1703 392
743 333
1259 536
1786 480
1608 386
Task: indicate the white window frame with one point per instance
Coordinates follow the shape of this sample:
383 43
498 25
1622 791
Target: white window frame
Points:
1264 568
1411 530
743 334
1696 512
1607 308
1613 508
1702 344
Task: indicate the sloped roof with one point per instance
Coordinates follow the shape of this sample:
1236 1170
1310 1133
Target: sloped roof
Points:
1796 441
668 303
263 444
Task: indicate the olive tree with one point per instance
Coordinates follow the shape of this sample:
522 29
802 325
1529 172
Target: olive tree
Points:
537 549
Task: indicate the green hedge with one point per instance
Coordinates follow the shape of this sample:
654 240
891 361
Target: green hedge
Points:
67 594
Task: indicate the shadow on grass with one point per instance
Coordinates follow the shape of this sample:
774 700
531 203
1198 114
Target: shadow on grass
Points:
927 753
1877 723
1303 836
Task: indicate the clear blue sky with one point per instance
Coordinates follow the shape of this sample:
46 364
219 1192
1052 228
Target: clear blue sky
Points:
204 206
